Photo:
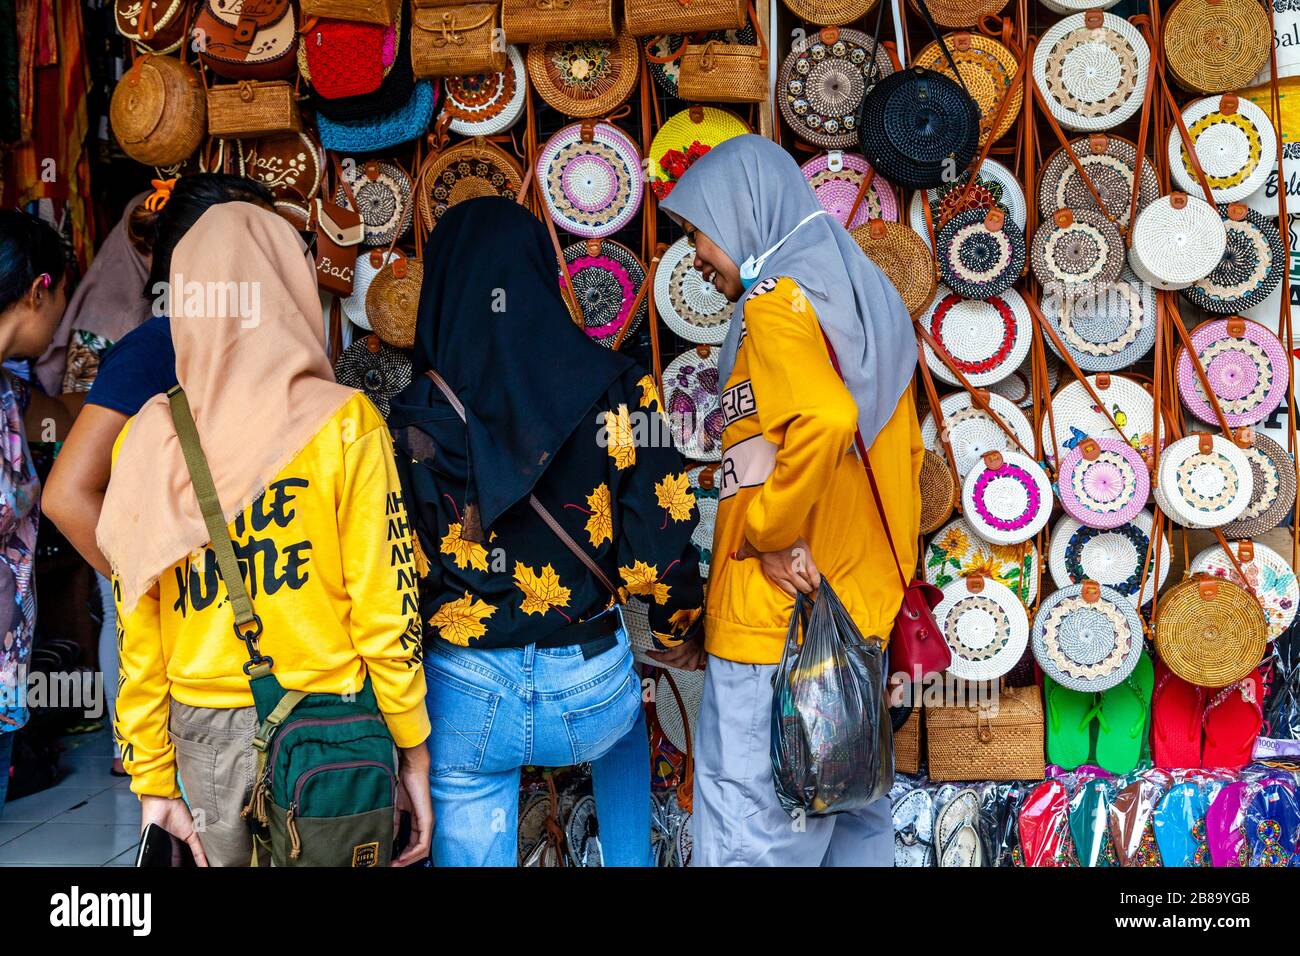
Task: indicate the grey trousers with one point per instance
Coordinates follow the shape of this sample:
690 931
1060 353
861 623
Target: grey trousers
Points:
737 820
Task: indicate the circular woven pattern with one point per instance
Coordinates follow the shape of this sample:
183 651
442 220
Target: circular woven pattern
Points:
1204 489
693 406
1092 78
986 631
482 104
158 111
1008 504
995 188
465 171
1248 373
702 535
975 261
1251 267
1104 329
1087 645
1211 639
938 491
591 179
1077 416
972 433
986 338
606 280
675 724
1213 46
956 13
1273 489
1111 167
919 128
379 370
393 303
1268 577
1077 249
583 78
826 12
987 69
821 86
836 179
681 130
1177 241
1236 150
1074 6
1016 387
687 302
1109 556
367 267
903 257
958 550
1103 482
383 194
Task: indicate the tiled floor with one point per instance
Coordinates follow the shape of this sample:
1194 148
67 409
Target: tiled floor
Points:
90 819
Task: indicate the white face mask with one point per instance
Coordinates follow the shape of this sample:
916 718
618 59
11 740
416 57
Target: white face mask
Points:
750 268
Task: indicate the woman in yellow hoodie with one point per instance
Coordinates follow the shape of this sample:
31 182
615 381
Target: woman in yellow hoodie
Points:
795 500
305 475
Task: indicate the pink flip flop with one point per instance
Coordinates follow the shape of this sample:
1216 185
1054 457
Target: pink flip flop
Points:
1225 825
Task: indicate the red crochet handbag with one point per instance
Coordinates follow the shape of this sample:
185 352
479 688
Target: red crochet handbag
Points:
344 58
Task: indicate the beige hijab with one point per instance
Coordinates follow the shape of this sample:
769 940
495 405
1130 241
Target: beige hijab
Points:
257 379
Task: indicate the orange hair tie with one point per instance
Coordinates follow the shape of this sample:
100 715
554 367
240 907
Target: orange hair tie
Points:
162 191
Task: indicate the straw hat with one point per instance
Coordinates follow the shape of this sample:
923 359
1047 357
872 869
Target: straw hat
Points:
1087 637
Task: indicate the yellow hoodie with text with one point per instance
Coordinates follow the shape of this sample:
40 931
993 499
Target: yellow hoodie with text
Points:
789 471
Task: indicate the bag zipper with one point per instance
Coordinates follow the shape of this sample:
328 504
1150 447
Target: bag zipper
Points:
295 844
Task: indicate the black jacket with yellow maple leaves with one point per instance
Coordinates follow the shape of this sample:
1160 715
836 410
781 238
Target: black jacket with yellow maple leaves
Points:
617 488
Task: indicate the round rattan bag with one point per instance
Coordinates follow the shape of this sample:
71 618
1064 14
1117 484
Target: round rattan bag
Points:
957 550
367 267
987 69
1110 556
1103 482
1210 633
606 277
1176 241
821 85
393 300
956 13
1077 249
1076 416
1087 637
938 491
1273 489
584 78
985 338
1234 143
904 259
980 253
1092 70
995 187
591 179
1268 577
688 303
1247 367
159 112
972 433
706 125
1204 482
830 12
1008 498
379 370
483 104
692 403
1111 165
383 192
1251 267
1018 386
1213 46
464 171
1104 329
836 178
984 625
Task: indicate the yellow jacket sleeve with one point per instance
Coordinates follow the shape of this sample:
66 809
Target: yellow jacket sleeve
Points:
379 574
144 699
804 409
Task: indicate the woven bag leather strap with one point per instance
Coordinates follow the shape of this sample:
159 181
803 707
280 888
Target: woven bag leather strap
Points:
943 44
940 424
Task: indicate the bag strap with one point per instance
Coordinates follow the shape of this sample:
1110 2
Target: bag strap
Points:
943 44
549 519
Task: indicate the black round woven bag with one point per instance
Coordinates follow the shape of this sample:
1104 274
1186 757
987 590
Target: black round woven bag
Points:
919 128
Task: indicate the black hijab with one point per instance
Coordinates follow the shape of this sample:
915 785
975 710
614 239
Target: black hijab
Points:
492 323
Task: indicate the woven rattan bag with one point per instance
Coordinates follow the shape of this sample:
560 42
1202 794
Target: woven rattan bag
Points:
536 21
907 744
938 491
1002 741
158 112
1214 46
253 108
903 257
1210 632
393 299
651 17
716 71
362 11
456 41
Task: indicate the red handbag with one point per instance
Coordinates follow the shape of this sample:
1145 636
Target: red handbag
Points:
345 58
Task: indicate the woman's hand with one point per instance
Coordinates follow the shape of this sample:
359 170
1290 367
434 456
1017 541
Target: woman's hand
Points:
686 656
413 794
791 569
172 815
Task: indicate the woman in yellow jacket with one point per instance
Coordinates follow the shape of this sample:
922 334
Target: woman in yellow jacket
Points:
795 501
304 470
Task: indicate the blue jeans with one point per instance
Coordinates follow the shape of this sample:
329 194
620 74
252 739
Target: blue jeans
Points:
495 711
6 760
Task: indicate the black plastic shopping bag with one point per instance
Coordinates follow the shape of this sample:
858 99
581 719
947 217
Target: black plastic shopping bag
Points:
832 743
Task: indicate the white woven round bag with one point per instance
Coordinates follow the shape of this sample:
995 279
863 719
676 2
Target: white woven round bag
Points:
1087 637
1077 6
1177 241
688 303
1205 481
1092 70
972 433
1109 556
1268 576
985 627
995 186
1104 329
1077 417
955 550
1007 499
1234 143
368 265
987 339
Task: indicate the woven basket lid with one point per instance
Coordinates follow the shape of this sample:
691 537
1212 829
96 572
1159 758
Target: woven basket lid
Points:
606 276
1205 481
956 13
675 724
690 305
659 49
1103 482
995 187
1077 417
1110 162
1236 147
972 433
987 629
692 403
977 258
1273 489
706 125
821 86
1018 386
1104 329
1213 46
904 259
1247 367
367 267
1092 77
987 68
383 192
465 171
483 104
1269 578
828 12
1176 241
1077 248
377 369
591 179
584 78
1008 503
1251 267
288 164
155 88
836 177
986 338
957 550
1109 556
938 491
1087 637
1210 633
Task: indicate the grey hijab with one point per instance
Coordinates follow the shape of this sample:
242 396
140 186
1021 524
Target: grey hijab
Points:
746 194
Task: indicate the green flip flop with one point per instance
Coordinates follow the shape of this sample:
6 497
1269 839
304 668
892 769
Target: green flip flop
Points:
1123 715
1069 714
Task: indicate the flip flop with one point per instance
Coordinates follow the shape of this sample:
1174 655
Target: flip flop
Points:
1089 823
1272 826
1225 825
1232 720
1131 829
1176 708
1122 715
956 831
1180 826
1069 720
913 815
999 813
1045 826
